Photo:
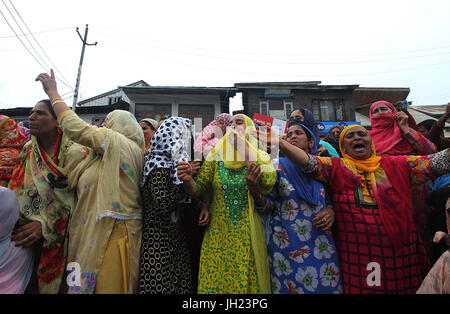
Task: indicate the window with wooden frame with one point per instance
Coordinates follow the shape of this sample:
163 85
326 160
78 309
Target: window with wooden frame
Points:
153 111
328 110
276 107
205 112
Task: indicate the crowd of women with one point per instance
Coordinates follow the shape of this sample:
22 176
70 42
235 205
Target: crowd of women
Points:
123 208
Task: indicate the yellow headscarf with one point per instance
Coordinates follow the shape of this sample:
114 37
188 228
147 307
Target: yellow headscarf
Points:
234 159
370 164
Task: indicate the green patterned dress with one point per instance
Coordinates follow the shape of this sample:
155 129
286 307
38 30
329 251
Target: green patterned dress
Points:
227 261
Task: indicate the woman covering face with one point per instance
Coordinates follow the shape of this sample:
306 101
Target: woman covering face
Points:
393 132
234 176
162 192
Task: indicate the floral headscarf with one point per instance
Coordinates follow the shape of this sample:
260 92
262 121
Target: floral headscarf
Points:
12 141
211 135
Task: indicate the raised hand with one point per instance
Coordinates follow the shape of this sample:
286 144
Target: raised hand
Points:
402 121
48 82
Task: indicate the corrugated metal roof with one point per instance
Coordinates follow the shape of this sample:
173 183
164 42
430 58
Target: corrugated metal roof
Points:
420 115
366 96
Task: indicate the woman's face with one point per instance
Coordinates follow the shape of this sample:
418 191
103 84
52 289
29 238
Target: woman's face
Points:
335 131
422 129
148 132
238 123
221 122
357 143
297 115
41 120
381 109
297 137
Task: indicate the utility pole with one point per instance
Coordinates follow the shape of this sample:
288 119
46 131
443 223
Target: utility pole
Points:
84 40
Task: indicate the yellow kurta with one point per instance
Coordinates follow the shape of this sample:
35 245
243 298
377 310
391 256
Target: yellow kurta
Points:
228 263
100 204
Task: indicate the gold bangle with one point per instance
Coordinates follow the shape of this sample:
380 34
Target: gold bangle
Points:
57 101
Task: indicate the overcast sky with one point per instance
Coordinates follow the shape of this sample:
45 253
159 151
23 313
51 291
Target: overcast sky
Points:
380 43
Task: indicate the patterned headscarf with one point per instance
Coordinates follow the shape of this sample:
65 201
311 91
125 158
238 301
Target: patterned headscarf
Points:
12 141
211 135
168 146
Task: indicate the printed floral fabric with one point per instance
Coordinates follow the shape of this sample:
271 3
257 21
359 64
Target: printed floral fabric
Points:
438 279
227 261
12 141
303 258
40 183
107 185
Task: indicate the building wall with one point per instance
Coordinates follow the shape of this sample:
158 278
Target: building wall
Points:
176 100
302 98
105 101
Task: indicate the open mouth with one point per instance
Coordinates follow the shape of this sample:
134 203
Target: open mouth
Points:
359 147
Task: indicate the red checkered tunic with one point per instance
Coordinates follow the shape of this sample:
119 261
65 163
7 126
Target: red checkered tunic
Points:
361 238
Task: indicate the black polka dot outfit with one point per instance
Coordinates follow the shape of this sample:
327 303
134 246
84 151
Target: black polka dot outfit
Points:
165 266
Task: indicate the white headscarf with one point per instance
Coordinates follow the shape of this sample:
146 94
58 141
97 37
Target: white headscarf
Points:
168 146
16 263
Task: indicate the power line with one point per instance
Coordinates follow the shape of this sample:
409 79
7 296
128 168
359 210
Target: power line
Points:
40 32
272 74
272 62
22 41
64 80
50 46
31 45
277 54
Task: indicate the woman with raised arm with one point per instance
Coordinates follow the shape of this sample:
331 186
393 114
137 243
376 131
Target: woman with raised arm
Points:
393 133
377 242
234 253
105 230
40 181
